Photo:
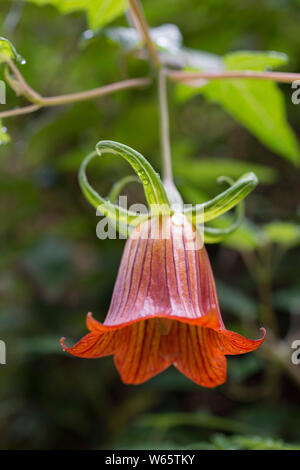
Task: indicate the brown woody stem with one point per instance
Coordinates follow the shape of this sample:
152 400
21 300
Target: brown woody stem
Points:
141 25
283 77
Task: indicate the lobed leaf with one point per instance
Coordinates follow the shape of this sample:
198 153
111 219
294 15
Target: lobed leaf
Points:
256 104
99 12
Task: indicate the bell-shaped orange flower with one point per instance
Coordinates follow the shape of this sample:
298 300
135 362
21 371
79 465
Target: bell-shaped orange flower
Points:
164 309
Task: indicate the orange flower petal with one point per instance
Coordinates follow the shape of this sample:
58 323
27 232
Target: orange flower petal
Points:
142 353
230 343
197 356
93 345
164 310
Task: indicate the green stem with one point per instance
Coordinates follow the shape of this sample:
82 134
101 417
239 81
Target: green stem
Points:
164 126
142 27
171 190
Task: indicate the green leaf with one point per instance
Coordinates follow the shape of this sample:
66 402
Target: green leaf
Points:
99 12
256 104
259 106
252 60
283 233
8 52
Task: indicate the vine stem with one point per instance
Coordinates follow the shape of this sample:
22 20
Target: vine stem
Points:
72 97
95 92
142 27
20 86
24 88
164 125
283 77
18 111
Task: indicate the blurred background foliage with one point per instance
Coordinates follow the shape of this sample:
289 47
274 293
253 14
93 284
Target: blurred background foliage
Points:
54 269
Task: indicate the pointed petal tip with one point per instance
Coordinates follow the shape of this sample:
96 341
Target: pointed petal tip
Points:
94 325
231 343
89 318
264 332
62 343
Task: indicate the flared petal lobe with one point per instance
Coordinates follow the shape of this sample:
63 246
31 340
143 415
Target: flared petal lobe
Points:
164 310
142 350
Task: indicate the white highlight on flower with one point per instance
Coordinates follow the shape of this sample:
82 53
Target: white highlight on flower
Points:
178 219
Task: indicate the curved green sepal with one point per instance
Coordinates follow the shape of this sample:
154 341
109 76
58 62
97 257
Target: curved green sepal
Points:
123 219
154 190
225 201
119 185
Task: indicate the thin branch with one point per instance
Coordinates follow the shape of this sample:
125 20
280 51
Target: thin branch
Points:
18 111
282 77
80 96
25 89
96 92
141 25
164 125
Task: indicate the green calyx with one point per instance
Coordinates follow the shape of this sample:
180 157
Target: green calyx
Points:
225 201
124 219
159 196
155 192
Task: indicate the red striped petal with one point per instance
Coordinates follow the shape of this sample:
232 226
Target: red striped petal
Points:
93 345
230 343
143 352
197 356
163 272
146 348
